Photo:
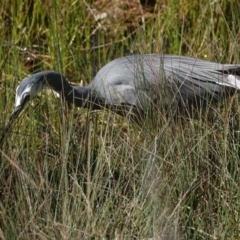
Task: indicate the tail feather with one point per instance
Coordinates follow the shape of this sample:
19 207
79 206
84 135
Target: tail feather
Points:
232 69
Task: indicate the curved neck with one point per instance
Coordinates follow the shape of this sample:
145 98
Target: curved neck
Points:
78 96
73 94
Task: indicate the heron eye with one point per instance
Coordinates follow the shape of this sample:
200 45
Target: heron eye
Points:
25 98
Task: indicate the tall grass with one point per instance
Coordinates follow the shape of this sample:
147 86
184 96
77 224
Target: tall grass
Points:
68 173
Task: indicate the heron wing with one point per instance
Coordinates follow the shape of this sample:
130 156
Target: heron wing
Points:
138 79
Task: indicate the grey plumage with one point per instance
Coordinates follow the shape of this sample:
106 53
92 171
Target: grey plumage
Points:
187 79
137 81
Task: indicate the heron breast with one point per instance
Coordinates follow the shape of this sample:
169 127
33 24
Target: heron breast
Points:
120 93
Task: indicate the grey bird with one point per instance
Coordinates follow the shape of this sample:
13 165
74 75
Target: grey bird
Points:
136 82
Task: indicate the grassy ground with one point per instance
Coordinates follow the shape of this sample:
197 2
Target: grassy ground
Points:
75 174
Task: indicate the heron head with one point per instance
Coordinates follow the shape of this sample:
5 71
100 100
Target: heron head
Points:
28 89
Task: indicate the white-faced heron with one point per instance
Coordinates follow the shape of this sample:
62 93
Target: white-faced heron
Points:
137 81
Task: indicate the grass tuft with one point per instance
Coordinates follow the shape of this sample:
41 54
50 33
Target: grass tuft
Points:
75 174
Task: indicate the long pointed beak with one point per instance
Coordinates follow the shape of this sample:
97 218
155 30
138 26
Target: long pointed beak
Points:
14 115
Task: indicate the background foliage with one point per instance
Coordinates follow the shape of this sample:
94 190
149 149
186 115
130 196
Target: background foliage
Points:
68 173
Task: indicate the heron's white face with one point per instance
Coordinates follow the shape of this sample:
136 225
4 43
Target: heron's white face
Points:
30 90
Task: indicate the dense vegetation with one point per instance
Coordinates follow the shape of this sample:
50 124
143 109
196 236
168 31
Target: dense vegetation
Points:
68 173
